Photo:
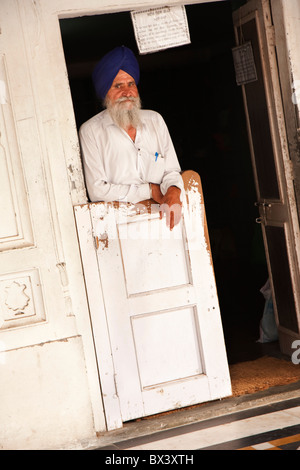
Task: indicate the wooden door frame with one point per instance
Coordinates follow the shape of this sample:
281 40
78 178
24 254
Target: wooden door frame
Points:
58 106
291 112
260 10
60 111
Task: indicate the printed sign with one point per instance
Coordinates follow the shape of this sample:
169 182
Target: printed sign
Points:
245 70
157 29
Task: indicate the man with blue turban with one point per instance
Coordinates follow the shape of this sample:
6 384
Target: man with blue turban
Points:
127 152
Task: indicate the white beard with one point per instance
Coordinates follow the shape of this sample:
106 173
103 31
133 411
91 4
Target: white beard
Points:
125 114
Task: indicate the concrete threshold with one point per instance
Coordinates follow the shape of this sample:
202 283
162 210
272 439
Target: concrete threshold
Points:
193 414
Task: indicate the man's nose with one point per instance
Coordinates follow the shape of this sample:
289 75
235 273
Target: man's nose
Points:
126 91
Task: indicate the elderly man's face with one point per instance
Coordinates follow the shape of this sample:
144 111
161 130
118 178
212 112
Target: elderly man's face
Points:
123 87
123 101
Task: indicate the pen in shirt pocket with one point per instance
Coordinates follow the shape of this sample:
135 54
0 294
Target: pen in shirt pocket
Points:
158 155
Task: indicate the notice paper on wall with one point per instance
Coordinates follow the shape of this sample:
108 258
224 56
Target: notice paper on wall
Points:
161 28
244 64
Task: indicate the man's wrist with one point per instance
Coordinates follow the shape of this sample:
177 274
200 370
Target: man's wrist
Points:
174 188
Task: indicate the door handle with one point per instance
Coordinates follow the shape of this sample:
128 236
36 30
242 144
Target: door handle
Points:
264 206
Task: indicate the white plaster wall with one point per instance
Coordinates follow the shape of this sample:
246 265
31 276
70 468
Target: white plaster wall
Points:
45 401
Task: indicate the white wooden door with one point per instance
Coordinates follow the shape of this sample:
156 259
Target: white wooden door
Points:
33 287
272 166
160 303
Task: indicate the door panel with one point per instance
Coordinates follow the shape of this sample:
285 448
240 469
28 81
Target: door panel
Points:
161 306
150 258
16 228
277 243
173 354
260 127
271 166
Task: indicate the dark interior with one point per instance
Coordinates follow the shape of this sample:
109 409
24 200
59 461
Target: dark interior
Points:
194 88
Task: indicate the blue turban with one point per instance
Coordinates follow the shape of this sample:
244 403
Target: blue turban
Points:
120 58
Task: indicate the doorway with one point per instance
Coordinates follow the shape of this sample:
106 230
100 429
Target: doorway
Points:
194 88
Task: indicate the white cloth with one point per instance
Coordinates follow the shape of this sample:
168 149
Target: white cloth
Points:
118 169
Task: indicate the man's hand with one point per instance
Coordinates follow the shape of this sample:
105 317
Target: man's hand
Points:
156 193
170 204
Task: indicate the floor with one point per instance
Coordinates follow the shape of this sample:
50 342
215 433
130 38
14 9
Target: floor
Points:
275 427
263 428
264 421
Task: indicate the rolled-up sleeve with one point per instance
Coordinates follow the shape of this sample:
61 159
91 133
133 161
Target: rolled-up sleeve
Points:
172 176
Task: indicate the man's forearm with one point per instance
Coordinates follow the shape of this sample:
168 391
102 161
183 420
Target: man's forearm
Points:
108 192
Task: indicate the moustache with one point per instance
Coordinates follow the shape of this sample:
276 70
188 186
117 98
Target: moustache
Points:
129 98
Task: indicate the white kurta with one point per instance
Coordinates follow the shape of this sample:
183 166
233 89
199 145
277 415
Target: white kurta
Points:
118 169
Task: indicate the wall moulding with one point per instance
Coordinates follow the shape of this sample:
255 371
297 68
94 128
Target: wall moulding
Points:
21 299
15 228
